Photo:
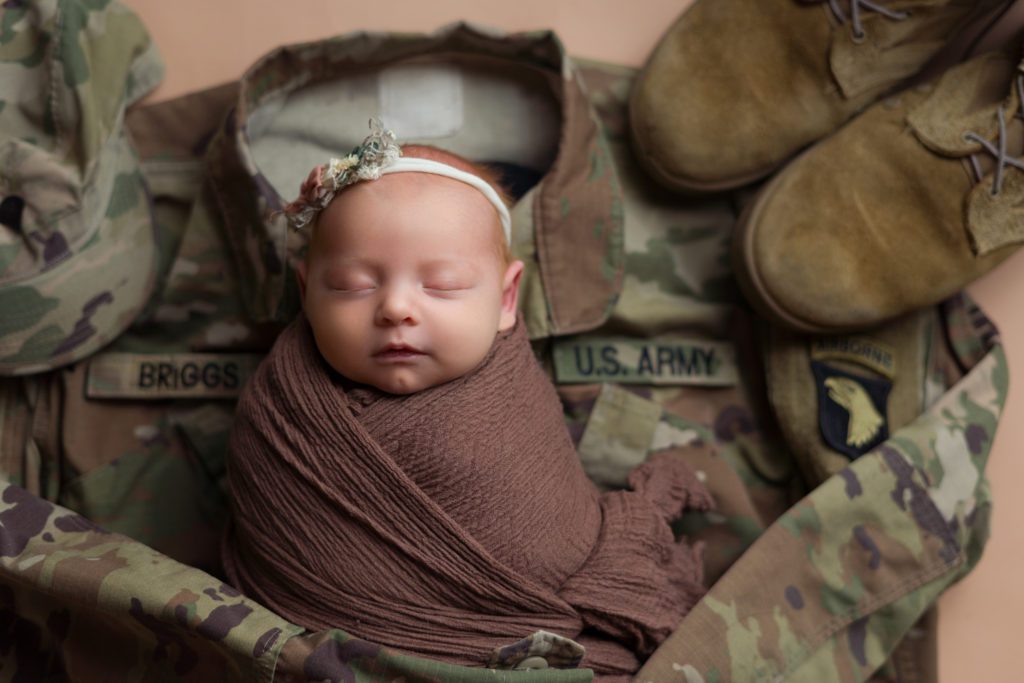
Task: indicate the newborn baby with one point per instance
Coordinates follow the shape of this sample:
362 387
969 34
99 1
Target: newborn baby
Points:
399 467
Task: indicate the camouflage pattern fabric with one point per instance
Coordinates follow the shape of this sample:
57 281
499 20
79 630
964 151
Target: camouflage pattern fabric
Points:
77 237
112 507
79 601
820 593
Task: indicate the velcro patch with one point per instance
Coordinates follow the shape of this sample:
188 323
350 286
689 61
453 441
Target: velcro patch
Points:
422 100
169 375
663 361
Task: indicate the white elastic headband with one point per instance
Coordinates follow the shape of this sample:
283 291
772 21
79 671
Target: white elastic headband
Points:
377 155
417 165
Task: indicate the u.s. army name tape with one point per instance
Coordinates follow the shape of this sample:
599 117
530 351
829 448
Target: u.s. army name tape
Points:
662 361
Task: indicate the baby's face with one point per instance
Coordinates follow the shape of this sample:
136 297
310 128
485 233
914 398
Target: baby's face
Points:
402 284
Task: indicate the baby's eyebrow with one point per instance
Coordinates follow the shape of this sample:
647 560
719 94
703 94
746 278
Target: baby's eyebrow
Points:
457 263
349 261
339 267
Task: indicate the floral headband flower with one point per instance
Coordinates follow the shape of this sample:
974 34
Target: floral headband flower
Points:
377 155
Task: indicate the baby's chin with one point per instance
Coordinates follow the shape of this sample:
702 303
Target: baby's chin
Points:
400 389
403 383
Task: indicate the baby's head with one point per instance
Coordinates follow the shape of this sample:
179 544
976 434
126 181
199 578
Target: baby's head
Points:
408 278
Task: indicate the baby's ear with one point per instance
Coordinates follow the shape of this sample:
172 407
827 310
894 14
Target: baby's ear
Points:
510 295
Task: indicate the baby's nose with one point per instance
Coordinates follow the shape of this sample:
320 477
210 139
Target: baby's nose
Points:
396 307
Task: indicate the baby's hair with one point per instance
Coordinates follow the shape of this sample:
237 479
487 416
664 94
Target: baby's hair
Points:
485 173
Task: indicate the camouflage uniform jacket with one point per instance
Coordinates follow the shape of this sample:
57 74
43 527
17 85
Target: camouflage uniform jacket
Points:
110 522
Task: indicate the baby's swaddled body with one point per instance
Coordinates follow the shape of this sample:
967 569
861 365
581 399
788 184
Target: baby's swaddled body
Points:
450 521
500 464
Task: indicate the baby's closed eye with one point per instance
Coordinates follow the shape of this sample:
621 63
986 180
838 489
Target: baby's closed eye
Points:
447 284
352 283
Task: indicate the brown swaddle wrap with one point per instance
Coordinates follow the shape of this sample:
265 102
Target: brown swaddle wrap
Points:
450 521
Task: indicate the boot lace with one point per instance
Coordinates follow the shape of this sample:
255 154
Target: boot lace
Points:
998 150
855 9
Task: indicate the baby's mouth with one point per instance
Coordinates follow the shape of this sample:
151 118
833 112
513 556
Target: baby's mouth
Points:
397 352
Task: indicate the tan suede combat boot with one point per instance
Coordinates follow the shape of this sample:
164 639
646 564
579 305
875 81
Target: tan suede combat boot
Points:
737 87
915 198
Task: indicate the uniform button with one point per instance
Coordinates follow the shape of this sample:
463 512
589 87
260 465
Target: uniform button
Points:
534 662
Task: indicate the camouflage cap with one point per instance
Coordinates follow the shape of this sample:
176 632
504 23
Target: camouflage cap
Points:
77 238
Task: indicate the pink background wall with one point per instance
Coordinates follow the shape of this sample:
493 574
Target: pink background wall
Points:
205 43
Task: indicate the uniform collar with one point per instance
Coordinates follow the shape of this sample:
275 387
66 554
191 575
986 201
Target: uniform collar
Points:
576 215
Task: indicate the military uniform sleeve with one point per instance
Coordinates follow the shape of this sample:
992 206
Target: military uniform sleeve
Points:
829 589
77 601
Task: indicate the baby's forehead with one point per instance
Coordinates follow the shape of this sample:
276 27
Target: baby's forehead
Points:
438 214
363 244
376 245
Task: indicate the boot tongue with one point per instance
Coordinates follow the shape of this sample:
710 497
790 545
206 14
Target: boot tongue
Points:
1014 117
1014 136
996 218
891 48
1014 132
968 99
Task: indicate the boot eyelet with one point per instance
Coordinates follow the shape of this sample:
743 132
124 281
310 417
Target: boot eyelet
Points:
858 38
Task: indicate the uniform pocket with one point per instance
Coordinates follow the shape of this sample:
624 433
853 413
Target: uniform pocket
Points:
148 470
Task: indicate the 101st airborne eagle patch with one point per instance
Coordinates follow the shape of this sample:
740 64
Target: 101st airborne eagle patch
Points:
852 409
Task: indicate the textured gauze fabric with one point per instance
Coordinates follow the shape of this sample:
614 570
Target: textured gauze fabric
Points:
451 521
